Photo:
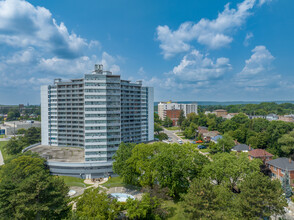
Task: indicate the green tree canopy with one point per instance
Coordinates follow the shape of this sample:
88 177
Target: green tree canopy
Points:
207 201
95 204
229 169
260 197
28 191
223 145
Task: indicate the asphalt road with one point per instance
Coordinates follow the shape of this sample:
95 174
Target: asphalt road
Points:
172 135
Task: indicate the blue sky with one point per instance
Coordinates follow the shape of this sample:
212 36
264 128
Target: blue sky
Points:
204 50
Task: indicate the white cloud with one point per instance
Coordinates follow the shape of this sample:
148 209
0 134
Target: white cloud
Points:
141 71
198 67
211 33
259 62
247 39
40 49
23 25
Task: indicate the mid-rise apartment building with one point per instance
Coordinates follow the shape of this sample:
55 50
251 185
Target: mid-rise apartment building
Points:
164 107
97 113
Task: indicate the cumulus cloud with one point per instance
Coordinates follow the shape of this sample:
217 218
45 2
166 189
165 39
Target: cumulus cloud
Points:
41 49
247 39
212 33
198 67
23 25
259 62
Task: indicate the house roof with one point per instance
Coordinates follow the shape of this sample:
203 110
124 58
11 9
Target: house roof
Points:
260 153
282 163
217 137
210 134
241 147
220 110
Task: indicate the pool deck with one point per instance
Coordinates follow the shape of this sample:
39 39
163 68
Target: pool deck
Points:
135 193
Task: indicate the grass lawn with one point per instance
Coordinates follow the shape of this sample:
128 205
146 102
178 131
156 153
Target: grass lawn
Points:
117 182
180 134
176 210
4 154
204 150
73 181
173 128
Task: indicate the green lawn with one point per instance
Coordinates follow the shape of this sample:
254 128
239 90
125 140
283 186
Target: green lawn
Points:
175 209
117 182
173 128
205 150
4 154
73 181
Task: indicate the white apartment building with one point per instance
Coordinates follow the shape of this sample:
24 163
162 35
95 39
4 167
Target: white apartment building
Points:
97 113
187 108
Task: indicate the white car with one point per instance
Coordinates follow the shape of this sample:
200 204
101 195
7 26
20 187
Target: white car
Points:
180 141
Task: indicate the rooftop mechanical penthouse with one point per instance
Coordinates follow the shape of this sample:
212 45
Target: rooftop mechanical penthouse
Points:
97 113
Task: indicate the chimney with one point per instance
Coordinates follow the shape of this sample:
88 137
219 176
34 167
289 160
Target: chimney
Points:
249 146
290 161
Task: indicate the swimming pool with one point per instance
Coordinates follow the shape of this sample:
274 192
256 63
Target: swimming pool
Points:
122 197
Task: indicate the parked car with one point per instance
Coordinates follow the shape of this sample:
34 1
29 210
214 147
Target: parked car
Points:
201 147
180 141
170 140
193 142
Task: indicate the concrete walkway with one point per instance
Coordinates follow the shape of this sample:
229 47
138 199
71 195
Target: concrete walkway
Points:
1 159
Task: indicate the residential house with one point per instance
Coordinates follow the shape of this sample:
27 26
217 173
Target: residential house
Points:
202 129
216 138
272 117
261 154
241 148
256 116
281 165
220 112
286 118
230 115
210 134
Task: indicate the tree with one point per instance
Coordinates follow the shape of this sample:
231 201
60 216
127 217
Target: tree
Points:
260 197
14 146
230 170
28 191
21 131
33 135
287 143
207 201
95 204
174 167
167 122
223 145
146 208
157 119
157 128
181 118
120 165
162 136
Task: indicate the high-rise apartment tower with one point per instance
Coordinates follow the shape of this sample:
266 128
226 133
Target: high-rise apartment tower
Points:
97 113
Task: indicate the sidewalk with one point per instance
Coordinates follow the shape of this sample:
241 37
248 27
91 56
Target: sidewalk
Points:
1 159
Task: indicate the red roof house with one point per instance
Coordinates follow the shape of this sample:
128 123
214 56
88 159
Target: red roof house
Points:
261 154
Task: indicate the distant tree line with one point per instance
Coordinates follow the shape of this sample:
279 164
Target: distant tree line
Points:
263 108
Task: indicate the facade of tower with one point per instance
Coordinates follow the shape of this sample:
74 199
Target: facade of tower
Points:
97 113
